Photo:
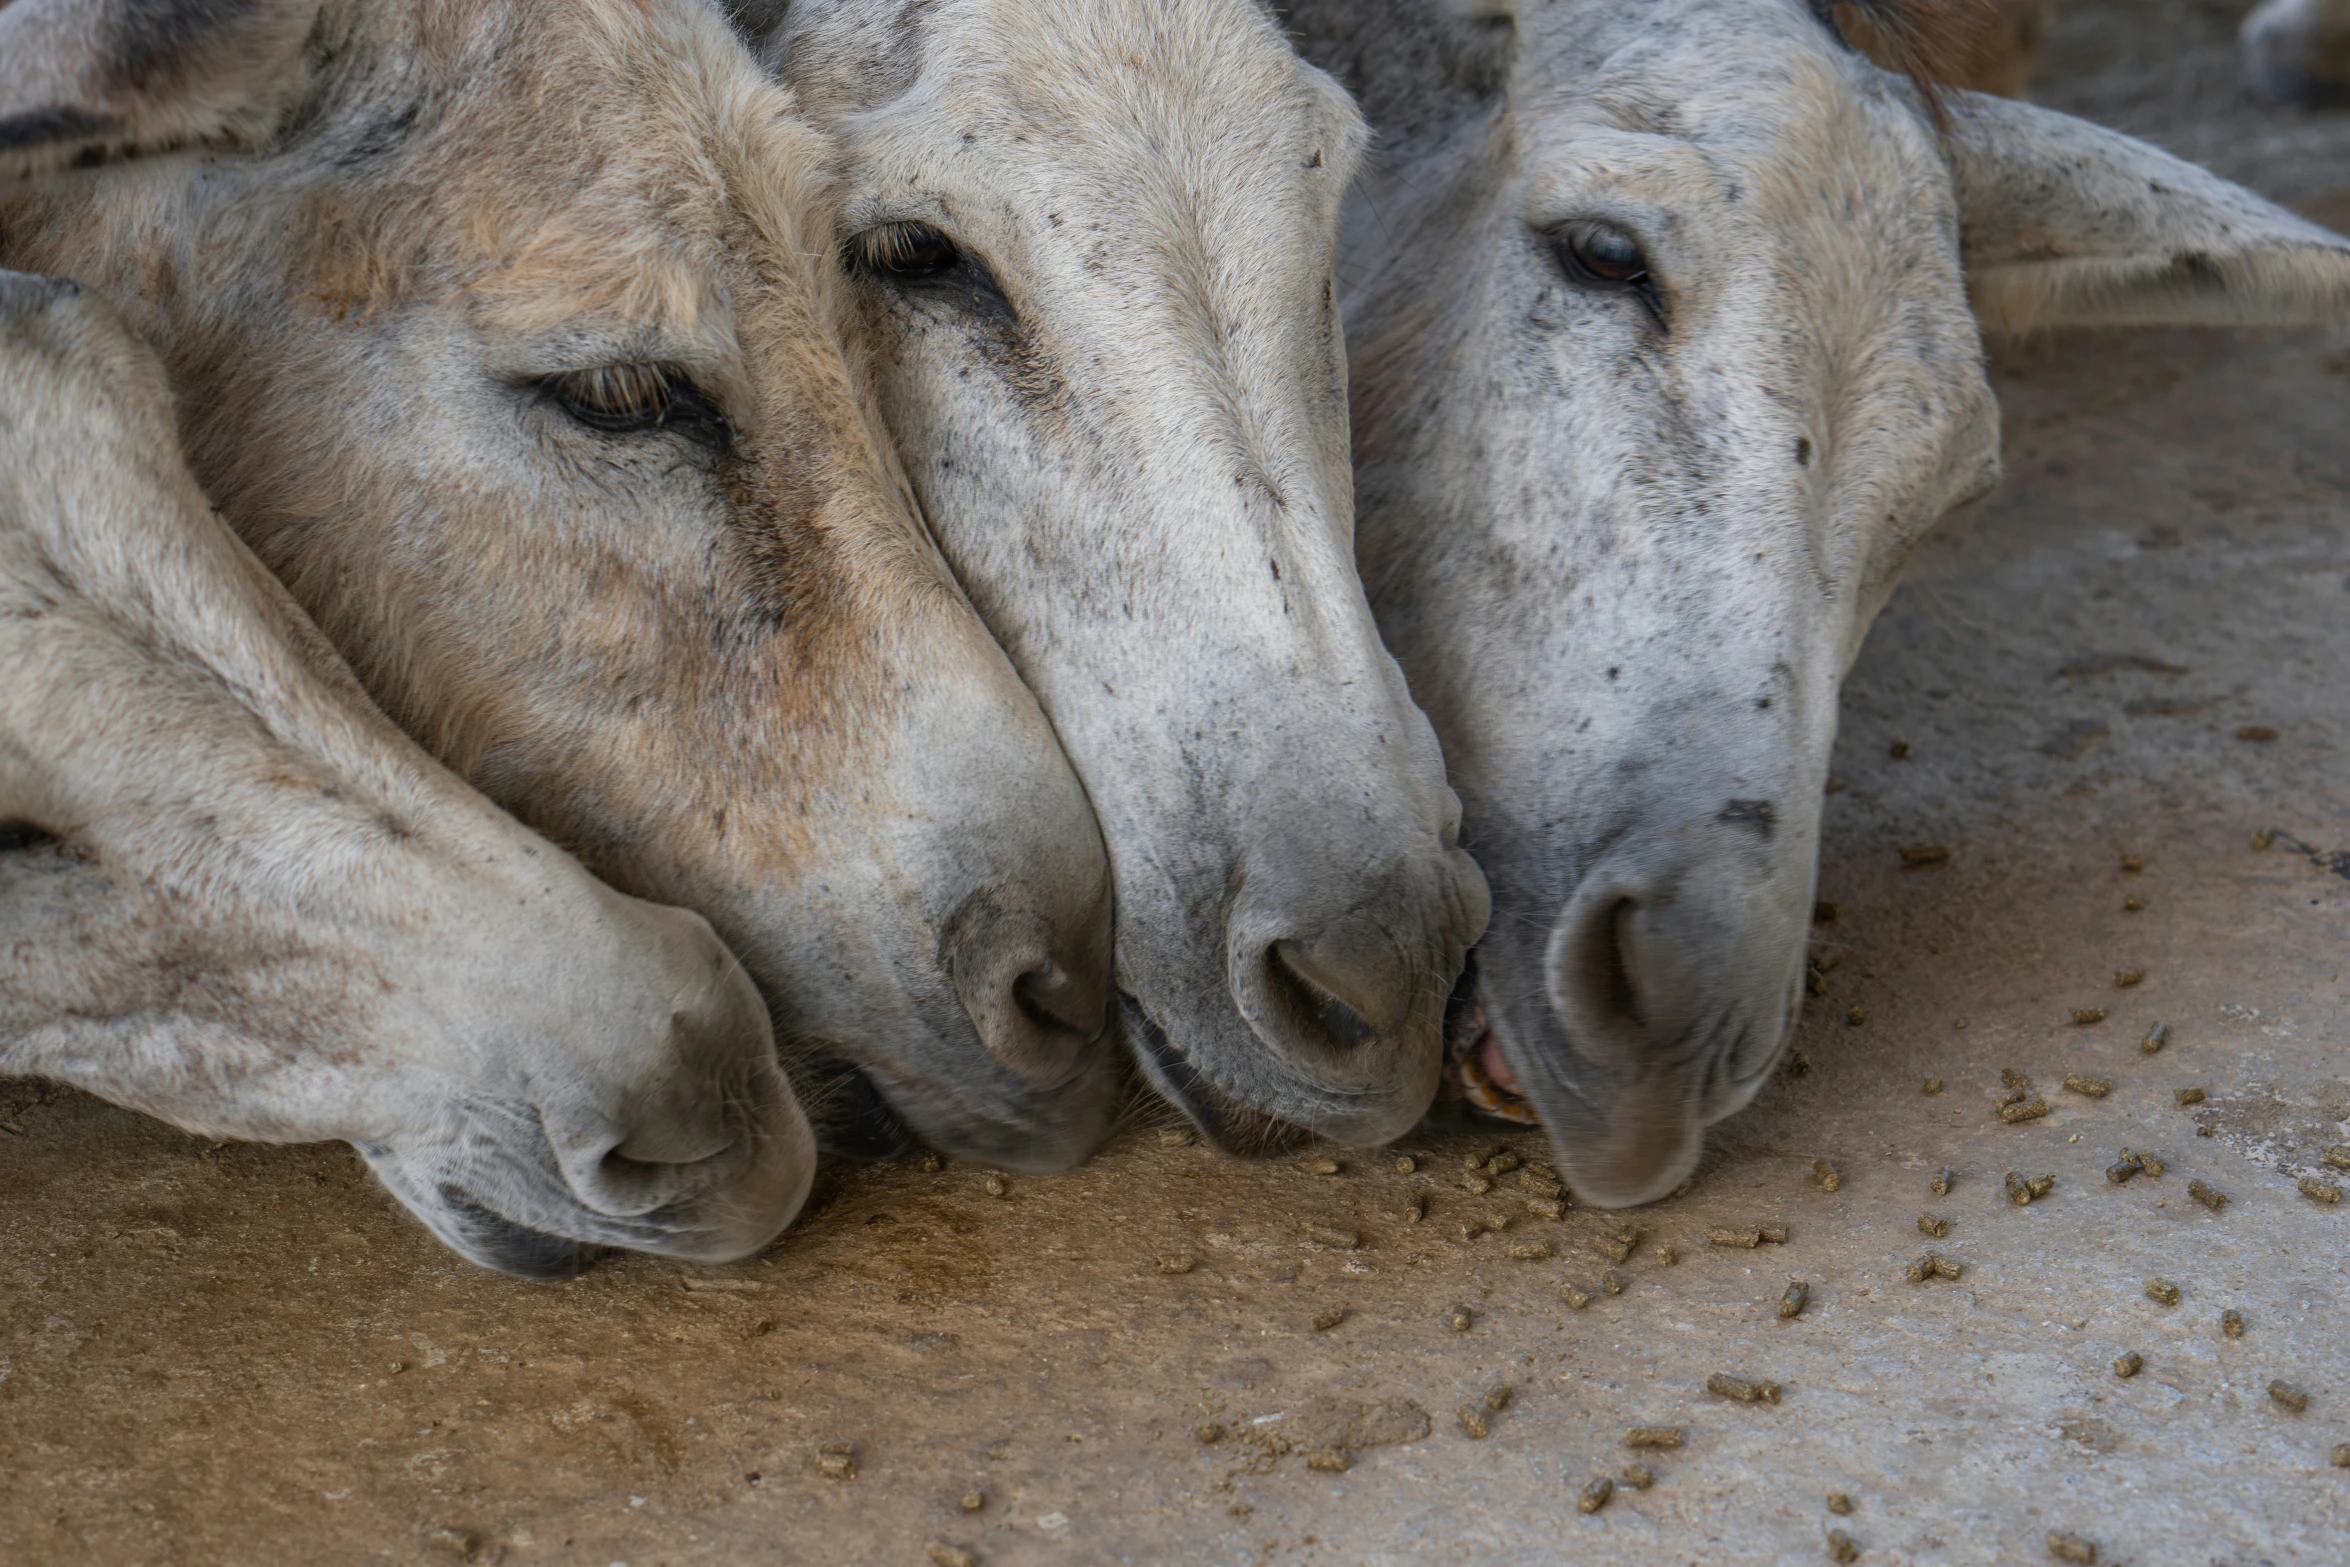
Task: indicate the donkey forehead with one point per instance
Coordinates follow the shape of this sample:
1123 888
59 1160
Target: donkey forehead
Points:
1050 99
645 206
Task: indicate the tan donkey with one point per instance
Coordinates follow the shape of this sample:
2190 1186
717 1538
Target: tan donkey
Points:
506 336
234 896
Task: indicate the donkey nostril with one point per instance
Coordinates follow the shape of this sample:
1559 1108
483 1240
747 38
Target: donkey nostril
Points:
1307 989
1051 998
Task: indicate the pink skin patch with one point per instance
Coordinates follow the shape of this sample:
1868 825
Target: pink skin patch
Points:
1484 1076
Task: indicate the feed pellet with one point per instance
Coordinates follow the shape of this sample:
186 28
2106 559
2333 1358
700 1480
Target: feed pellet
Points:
1797 1297
2162 1292
1472 1420
2156 1038
1177 1264
2187 1096
973 1501
2231 1323
2291 1397
1594 1496
2029 1110
1459 1319
1613 1282
1652 1436
2124 978
1639 1476
2129 1365
2210 1197
2071 1548
1328 1317
1530 1251
2093 1087
1825 1175
1746 1238
1943 1182
1744 1391
945 1555
2319 1191
1576 1299
2084 1016
1328 1460
1933 1224
1842 1547
1840 1503
1324 1166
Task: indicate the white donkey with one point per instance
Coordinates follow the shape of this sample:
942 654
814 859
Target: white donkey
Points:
1093 241
508 338
1663 358
232 895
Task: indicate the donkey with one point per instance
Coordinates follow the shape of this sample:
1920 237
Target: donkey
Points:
1663 359
234 896
1091 243
2298 51
508 337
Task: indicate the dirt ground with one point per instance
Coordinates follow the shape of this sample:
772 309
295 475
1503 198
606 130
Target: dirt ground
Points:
243 1354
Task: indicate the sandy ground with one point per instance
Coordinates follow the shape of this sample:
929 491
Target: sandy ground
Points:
245 1354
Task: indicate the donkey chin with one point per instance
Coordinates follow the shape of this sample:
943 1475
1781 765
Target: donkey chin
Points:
1652 1007
504 1194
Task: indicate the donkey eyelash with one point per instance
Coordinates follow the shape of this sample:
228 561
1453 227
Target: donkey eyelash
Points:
630 399
906 250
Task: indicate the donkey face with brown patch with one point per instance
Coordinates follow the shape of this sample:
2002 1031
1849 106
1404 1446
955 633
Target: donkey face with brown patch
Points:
234 896
1664 325
507 336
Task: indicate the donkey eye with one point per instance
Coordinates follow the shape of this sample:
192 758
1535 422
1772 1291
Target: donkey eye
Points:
906 251
1602 254
630 399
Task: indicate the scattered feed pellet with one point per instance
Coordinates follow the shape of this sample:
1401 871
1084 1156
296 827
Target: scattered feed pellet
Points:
1472 1420
1840 1503
1933 1265
2231 1323
2290 1396
2156 1038
1842 1547
2150 1163
1497 1397
1503 1163
2123 1168
1746 1238
2029 1110
2094 1087
1405 1164
1948 1268
1177 1263
2021 1191
2320 1191
1209 1434
1744 1391
1933 1224
1639 1476
1332 1237
1776 1234
1666 1256
1943 1181
1856 1017
1933 1085
2124 978
2129 1365
1899 749
2071 1548
1415 1207
994 1186
1594 1496
2187 1096
931 1163
1328 1460
1477 1184
2338 1156
2084 1016
1617 1247
1825 1175
2210 1197
2133 904
945 1555
1325 1166
1460 1320
1530 1251
1488 1225
837 1461
1652 1436
2009 1077
973 1501
1546 1207
1613 1282
2342 1455
2132 864
1328 1317
1923 854
2162 1292
1797 1297
1575 1298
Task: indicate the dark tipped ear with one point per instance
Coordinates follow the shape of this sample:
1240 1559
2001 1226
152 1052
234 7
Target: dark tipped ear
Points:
758 22
90 81
2064 223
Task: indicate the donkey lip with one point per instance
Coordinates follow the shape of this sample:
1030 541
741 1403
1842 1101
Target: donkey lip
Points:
1176 1077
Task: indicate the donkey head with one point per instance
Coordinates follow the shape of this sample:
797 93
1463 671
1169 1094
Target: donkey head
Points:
508 337
1663 360
1092 247
237 898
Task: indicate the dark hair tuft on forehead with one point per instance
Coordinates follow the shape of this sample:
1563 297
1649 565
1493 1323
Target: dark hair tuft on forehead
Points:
1931 42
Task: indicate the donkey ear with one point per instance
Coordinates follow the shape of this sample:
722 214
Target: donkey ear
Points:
2065 223
89 81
